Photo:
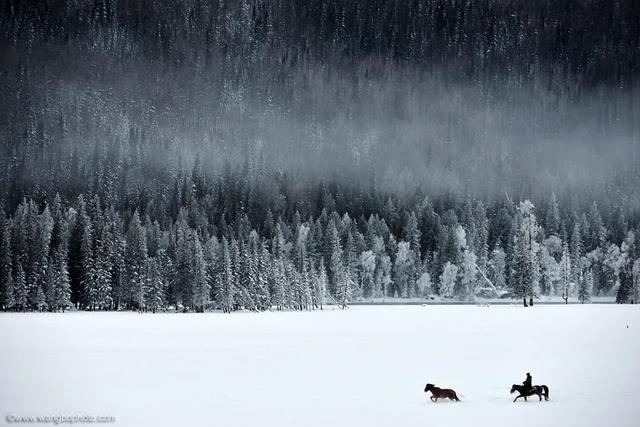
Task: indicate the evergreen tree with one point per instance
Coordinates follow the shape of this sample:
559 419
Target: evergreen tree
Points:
155 285
99 294
404 271
136 258
225 295
41 303
61 282
200 283
367 272
552 217
6 277
635 294
320 286
586 286
9 292
566 274
20 290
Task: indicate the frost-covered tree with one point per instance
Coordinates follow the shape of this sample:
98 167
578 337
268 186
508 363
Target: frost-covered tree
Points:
552 216
497 268
136 258
99 293
333 254
585 287
320 286
448 280
41 302
61 282
201 288
155 284
635 294
404 270
524 268
566 275
424 285
468 276
20 289
225 296
627 249
7 300
367 273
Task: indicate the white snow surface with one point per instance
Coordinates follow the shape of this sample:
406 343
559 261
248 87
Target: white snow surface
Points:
364 366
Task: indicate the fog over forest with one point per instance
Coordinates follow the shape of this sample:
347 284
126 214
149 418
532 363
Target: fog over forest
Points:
472 97
221 118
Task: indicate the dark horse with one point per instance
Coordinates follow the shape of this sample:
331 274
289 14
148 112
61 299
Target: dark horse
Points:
437 392
540 390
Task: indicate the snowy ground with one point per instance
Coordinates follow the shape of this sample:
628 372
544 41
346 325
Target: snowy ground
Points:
366 366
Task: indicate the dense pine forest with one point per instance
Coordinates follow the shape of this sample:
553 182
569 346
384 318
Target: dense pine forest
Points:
261 154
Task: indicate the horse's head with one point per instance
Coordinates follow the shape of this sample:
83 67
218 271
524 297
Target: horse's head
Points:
514 388
428 387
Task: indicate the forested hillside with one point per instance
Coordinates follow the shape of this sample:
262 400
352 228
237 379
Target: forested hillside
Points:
258 153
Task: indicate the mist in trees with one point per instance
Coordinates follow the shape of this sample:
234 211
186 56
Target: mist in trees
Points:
255 154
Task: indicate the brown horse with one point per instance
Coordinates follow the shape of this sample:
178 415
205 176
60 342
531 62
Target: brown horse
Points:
437 393
539 390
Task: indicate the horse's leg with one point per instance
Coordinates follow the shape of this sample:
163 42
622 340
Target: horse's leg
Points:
432 399
525 398
517 398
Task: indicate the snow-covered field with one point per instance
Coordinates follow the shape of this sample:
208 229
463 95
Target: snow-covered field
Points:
366 366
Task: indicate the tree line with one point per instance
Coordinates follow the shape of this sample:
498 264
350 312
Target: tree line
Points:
221 244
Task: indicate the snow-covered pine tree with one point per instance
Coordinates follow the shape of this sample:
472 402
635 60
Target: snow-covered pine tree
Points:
200 282
344 284
627 249
20 289
552 216
525 269
566 276
367 271
411 232
39 272
320 286
597 231
262 298
41 302
577 252
585 288
635 294
155 285
226 281
278 296
481 246
100 293
404 271
136 257
9 295
87 267
497 267
61 283
6 264
333 254
80 252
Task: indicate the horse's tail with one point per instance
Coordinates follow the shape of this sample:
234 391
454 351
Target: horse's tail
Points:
546 392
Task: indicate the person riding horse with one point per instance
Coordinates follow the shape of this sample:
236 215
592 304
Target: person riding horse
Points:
527 383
